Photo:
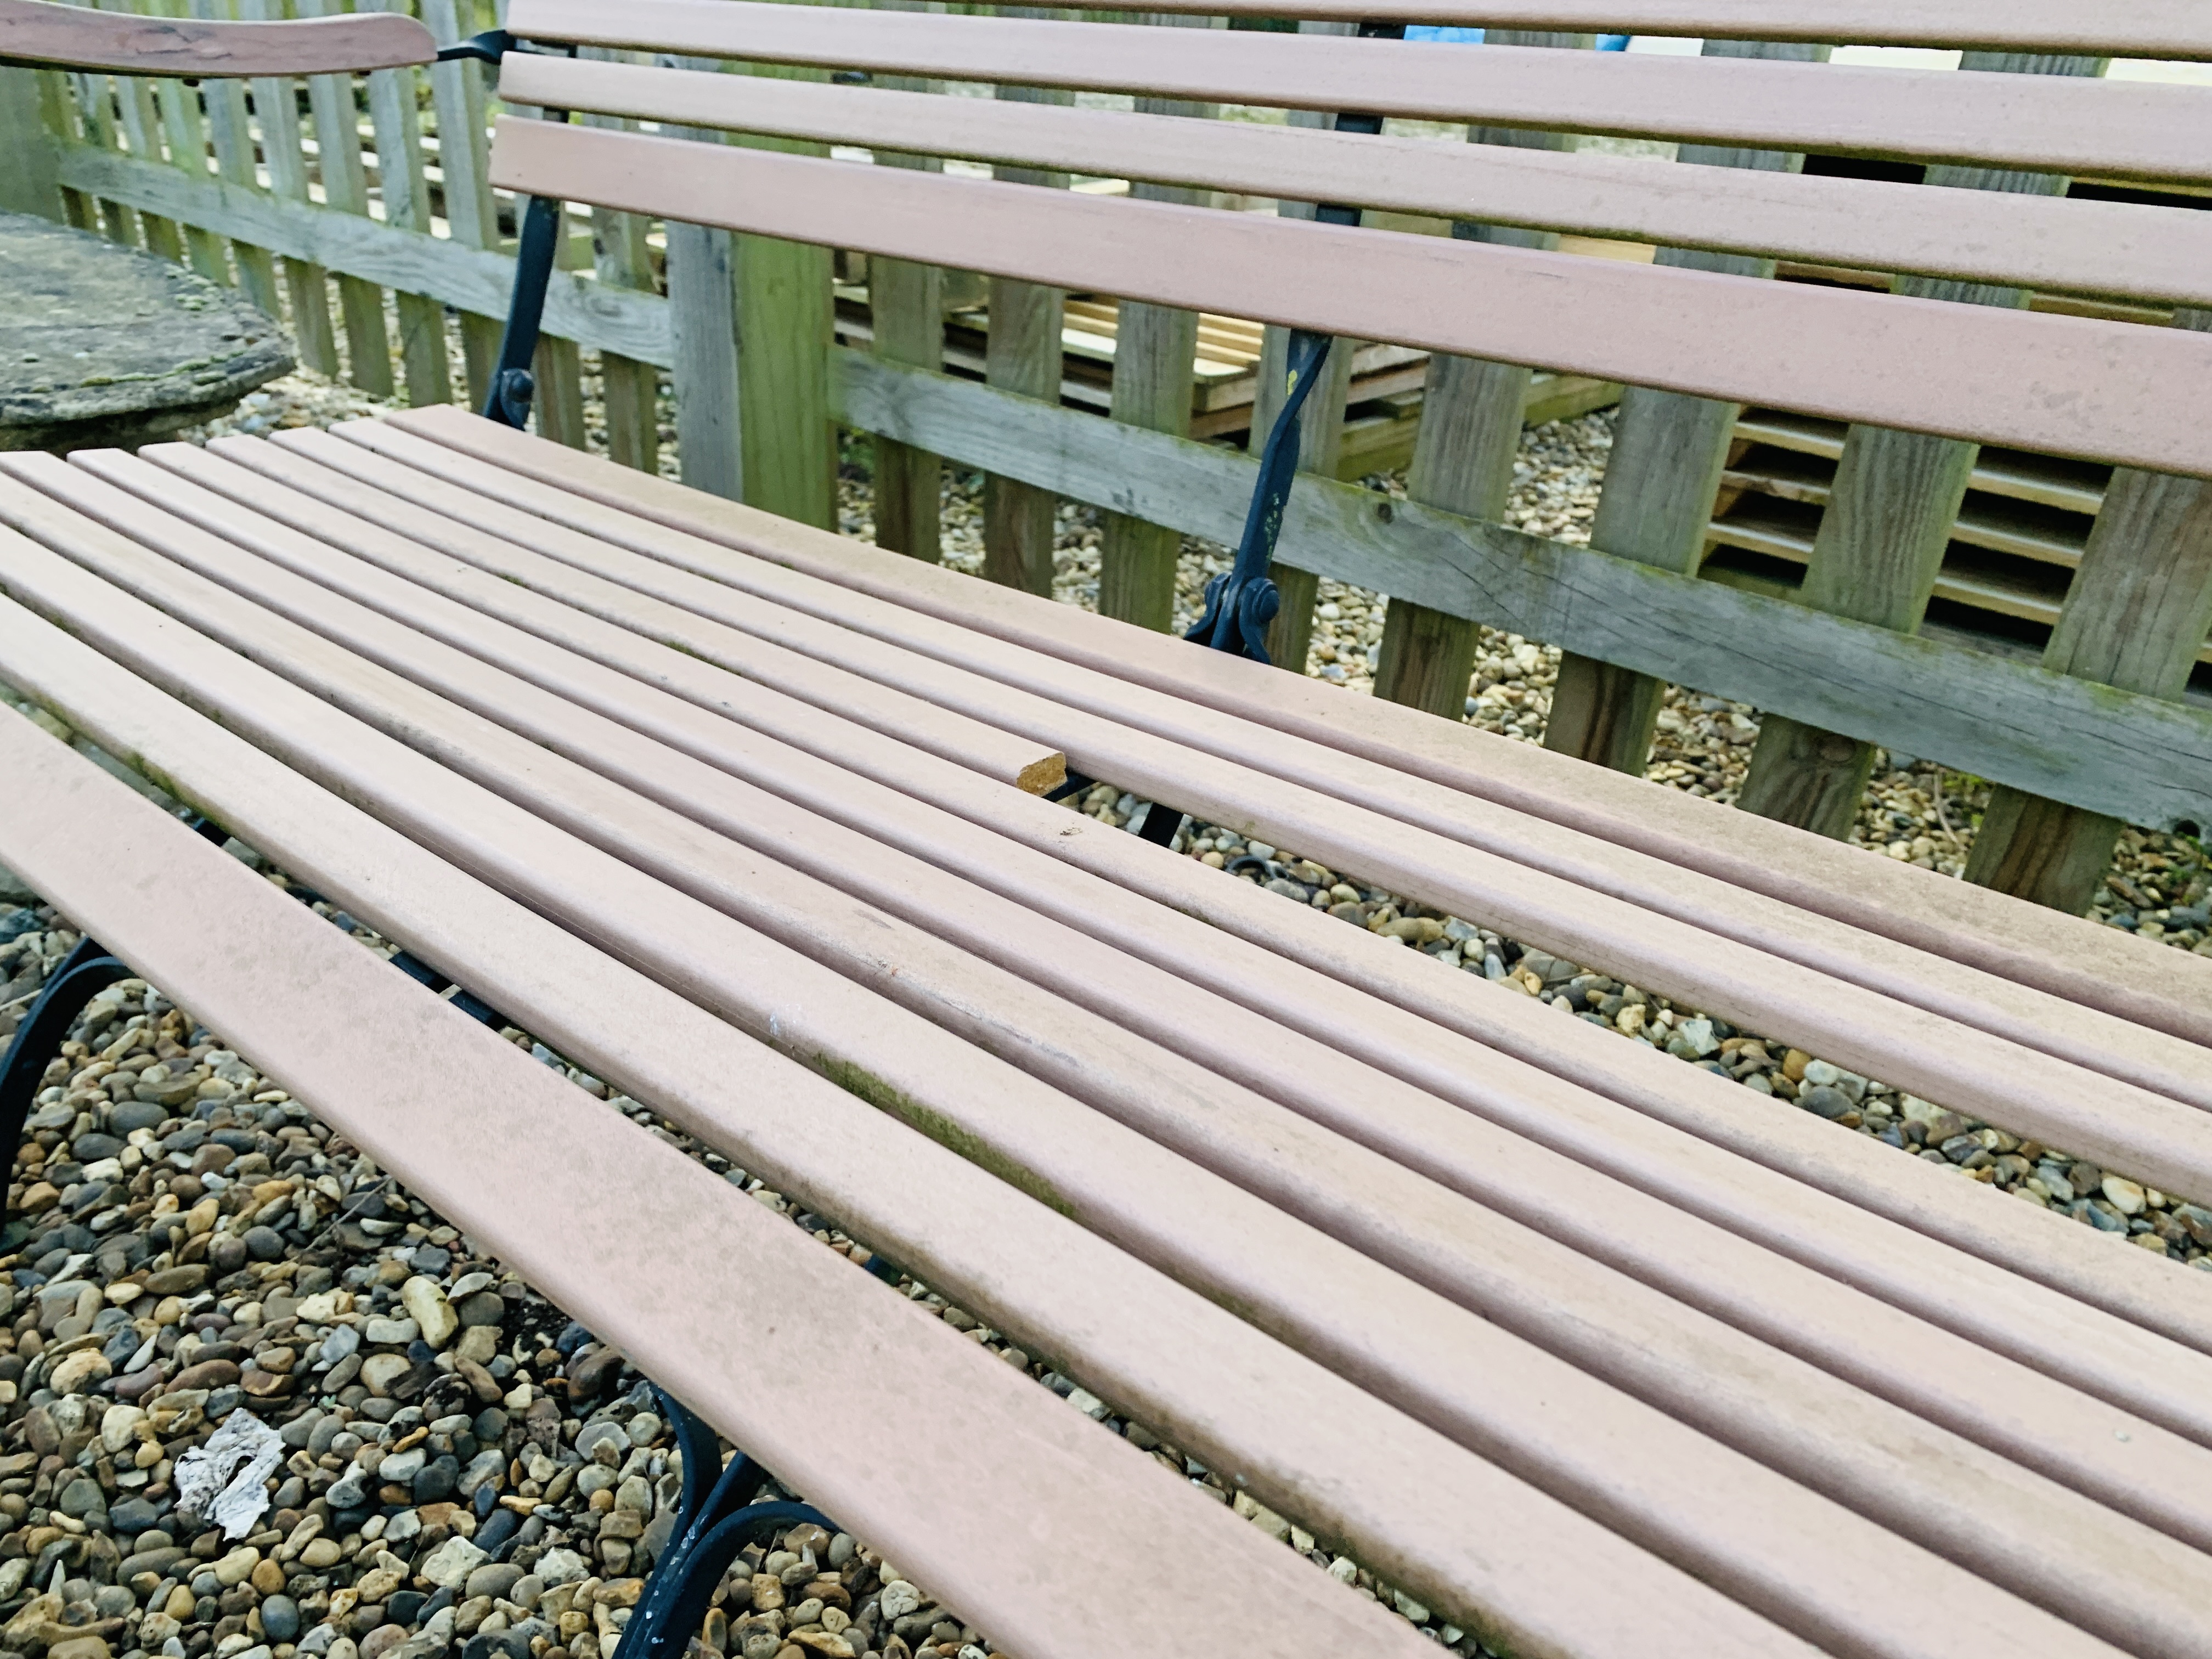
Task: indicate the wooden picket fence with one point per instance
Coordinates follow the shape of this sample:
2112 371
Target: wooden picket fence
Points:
360 207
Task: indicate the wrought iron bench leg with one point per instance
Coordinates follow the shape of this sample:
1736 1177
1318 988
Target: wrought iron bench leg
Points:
1241 601
716 1519
87 970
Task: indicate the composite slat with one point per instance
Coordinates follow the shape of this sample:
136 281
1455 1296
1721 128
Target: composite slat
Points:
1935 1054
2154 253
752 551
692 1280
2117 1361
1819 1155
1907 1362
631 911
2130 29
2067 386
2096 966
2132 130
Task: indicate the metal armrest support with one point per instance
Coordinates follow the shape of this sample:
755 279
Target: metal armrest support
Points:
1243 600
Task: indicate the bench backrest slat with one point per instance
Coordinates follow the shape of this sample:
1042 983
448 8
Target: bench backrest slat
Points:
2083 247
2040 123
76 37
2115 28
2060 385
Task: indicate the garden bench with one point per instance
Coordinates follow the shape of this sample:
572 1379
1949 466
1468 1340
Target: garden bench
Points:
1585 1347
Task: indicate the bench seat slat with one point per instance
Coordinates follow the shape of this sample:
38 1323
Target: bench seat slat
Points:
1648 1466
2153 254
1935 1378
2059 384
2043 123
1125 893
1526 884
79 38
2086 964
620 1230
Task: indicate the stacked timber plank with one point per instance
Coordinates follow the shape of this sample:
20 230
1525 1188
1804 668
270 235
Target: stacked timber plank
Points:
2025 523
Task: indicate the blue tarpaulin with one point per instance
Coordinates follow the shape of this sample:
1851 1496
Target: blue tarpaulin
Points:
1474 37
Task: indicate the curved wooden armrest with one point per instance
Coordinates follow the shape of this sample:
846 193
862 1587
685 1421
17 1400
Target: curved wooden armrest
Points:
75 37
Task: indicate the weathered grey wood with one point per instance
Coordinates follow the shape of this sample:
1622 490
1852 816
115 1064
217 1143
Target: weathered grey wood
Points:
1463 450
703 322
468 279
186 132
1321 426
629 390
84 116
228 131
345 190
1154 350
702 326
786 317
906 307
2138 757
406 193
1022 355
906 310
2136 617
276 111
457 93
29 183
1668 450
141 123
1881 540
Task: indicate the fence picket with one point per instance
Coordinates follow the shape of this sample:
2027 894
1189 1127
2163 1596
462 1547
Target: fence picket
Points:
345 189
1668 450
2136 617
1472 413
141 121
406 196
229 128
457 100
275 109
1154 347
629 390
1881 540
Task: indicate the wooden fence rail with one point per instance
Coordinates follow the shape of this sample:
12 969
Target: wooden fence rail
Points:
308 193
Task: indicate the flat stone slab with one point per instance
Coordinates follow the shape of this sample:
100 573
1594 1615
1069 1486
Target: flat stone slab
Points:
100 344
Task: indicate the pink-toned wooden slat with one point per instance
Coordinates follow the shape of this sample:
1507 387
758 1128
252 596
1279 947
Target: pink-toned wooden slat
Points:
2060 385
850 774
2097 967
1469 859
692 1280
2134 129
2120 28
1644 1462
76 37
2101 248
1920 1369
